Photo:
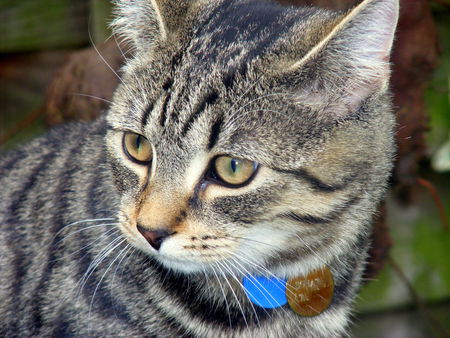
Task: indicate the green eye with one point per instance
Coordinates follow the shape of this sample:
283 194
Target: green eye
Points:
137 148
234 171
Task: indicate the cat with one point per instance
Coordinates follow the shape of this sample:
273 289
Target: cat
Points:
227 192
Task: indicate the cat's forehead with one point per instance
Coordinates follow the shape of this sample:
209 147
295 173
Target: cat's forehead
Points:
214 80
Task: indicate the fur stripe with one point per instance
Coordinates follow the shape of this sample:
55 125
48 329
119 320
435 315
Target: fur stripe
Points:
162 117
105 304
15 156
146 114
209 100
316 183
61 204
21 259
333 215
215 131
308 219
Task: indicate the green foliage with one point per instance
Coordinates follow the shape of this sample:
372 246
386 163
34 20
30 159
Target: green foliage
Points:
27 25
438 94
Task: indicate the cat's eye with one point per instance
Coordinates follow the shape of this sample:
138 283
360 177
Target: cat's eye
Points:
137 148
234 171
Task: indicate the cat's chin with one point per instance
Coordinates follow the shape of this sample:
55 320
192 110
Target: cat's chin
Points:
179 265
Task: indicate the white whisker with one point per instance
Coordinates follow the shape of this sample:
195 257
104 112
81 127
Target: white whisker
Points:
100 55
104 274
234 295
224 295
84 221
260 287
105 252
108 233
86 228
91 96
234 116
312 251
118 47
243 289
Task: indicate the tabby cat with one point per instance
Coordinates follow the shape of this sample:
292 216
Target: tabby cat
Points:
227 192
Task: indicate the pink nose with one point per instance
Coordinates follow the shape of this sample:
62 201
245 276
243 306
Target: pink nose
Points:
155 237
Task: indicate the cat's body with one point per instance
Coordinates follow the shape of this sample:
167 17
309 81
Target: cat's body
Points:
292 92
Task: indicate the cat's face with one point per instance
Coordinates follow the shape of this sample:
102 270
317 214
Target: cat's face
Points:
228 150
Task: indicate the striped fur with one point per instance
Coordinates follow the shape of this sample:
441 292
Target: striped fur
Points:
301 91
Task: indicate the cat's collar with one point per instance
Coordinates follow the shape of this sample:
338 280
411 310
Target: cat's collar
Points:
307 295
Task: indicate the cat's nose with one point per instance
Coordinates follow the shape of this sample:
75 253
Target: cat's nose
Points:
155 237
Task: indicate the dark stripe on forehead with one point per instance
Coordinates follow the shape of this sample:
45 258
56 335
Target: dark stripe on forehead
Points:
241 30
209 99
146 114
162 117
316 183
166 87
215 131
229 78
167 84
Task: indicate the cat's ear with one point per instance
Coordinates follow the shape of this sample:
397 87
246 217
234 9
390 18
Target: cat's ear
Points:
146 23
349 63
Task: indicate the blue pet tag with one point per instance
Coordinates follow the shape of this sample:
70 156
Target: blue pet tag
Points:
267 292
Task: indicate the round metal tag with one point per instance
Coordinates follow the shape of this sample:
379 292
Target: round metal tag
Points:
312 294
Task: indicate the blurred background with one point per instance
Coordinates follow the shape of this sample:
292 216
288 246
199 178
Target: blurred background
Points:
50 73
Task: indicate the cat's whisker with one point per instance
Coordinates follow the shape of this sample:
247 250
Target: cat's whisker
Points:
133 250
259 286
119 48
105 252
92 97
104 274
101 56
84 221
110 232
249 260
243 273
253 240
313 251
243 94
234 294
259 268
239 282
85 228
224 295
301 239
130 247
233 116
165 276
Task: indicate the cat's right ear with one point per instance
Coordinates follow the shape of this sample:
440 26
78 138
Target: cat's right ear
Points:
349 63
147 23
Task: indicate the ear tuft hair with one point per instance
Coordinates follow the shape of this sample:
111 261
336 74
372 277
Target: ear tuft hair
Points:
352 61
146 23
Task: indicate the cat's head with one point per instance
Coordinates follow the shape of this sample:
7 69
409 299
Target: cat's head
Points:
250 135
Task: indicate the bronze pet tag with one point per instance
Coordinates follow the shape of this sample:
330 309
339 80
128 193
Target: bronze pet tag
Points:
312 294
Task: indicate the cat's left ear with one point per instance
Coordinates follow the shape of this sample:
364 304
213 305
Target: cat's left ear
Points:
349 63
147 23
